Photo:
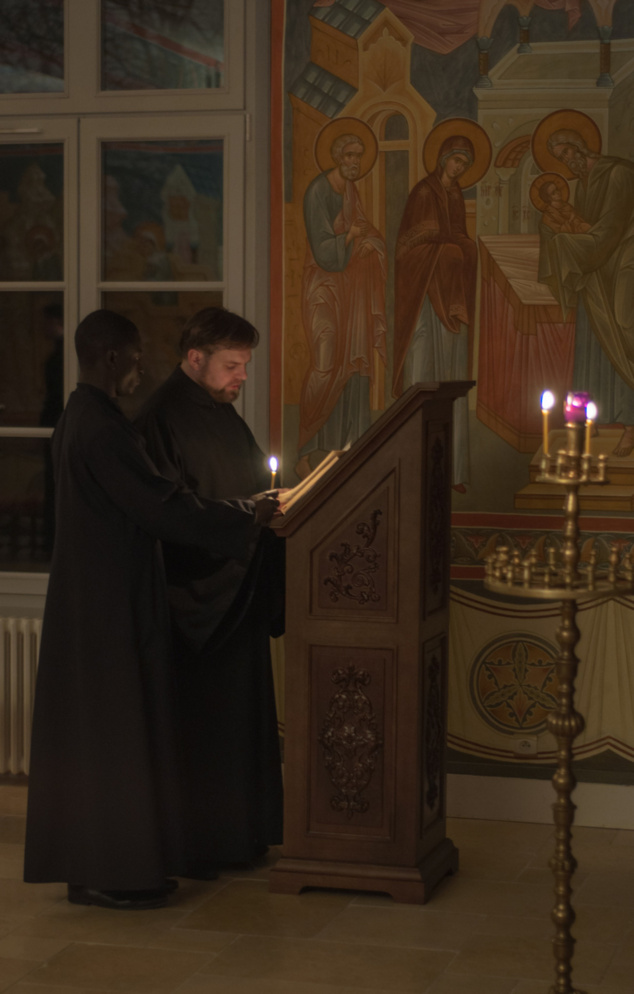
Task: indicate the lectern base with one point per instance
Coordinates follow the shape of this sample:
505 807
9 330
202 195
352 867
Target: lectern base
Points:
405 884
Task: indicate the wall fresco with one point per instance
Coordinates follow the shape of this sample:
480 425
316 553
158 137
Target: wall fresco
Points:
476 222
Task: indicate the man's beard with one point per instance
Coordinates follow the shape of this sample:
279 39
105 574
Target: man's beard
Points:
225 396
578 164
349 172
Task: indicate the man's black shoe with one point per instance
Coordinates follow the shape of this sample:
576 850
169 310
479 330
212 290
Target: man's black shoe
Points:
119 900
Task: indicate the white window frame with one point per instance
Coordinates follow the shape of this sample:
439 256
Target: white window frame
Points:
229 128
47 131
240 107
82 73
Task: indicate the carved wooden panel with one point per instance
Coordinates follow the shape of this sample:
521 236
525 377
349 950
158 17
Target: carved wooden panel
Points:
433 737
438 510
351 741
353 568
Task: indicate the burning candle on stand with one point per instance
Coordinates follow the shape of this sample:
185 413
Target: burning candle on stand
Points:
273 467
591 416
548 399
575 407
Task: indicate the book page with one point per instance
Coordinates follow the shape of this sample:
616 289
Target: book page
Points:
292 496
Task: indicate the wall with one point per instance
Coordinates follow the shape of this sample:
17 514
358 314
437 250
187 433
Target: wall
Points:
383 73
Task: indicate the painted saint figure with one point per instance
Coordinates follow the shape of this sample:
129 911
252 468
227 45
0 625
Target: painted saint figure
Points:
592 270
549 193
343 295
435 282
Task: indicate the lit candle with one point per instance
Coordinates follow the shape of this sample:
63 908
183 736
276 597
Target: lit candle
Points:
591 414
548 399
273 468
575 407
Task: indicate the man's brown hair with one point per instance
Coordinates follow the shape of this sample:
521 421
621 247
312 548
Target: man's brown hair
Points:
215 328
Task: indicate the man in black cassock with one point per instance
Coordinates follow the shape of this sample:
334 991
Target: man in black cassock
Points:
222 617
104 811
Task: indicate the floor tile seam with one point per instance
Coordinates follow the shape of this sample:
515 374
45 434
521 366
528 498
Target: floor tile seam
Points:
219 887
503 874
613 957
216 952
79 943
116 945
515 976
235 939
487 919
335 943
425 911
19 922
40 962
389 945
20 979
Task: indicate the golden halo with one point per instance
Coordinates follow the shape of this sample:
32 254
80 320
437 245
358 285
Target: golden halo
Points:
570 120
468 129
346 126
537 184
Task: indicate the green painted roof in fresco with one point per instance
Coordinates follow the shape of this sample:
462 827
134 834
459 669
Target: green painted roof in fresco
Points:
322 90
351 17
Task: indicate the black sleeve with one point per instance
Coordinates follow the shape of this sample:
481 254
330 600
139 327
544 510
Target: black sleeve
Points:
119 464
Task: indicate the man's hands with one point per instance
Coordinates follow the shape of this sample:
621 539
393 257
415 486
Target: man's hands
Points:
267 506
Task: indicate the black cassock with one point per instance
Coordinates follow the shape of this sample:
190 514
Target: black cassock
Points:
222 617
104 805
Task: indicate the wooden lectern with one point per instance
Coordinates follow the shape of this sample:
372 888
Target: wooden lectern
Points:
367 619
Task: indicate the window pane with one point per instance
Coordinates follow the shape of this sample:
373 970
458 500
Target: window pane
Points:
160 318
26 503
162 210
31 46
31 212
162 44
31 359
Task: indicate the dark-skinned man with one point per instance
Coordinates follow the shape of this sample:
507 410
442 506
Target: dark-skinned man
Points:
104 810
222 618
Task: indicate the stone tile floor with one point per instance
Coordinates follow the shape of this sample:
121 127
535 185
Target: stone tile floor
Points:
485 931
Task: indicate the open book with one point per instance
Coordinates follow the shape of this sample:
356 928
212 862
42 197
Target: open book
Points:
296 493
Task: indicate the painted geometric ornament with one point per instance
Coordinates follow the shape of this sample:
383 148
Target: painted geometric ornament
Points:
514 684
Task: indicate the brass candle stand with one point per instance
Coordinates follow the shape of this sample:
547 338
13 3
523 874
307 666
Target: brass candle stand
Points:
563 578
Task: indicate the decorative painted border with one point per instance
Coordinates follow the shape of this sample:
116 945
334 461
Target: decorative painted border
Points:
476 535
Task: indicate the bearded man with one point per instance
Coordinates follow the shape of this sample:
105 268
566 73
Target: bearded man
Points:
594 271
343 306
223 609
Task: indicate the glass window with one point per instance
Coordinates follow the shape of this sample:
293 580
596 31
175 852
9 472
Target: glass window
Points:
160 318
26 503
31 359
31 212
32 46
162 44
162 210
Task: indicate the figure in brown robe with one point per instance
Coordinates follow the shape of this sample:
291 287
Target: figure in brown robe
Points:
435 279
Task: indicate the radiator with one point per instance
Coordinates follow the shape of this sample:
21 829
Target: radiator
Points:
19 648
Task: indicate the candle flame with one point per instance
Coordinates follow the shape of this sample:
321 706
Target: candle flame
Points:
591 411
273 464
548 400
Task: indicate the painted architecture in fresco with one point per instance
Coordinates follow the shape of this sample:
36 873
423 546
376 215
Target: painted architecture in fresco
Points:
477 224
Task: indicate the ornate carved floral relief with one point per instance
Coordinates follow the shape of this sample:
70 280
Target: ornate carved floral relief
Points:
352 741
352 573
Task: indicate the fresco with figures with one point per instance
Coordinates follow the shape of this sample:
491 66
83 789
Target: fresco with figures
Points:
453 198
